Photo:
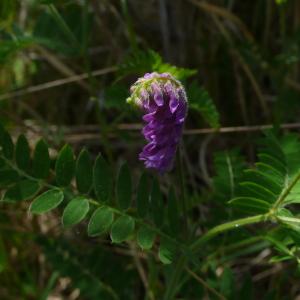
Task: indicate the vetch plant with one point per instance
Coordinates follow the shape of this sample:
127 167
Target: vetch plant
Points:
122 218
86 191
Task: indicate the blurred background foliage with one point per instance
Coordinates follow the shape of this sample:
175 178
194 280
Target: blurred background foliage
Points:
65 71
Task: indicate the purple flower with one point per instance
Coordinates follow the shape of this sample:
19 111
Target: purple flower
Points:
164 102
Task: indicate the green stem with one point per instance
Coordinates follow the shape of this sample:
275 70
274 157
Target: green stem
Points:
182 187
180 265
227 226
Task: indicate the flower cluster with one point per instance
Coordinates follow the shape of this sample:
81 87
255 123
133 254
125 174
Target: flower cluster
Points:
163 99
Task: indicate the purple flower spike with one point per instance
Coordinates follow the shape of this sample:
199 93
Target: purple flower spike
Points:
164 102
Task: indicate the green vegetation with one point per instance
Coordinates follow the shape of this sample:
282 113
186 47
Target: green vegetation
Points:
80 216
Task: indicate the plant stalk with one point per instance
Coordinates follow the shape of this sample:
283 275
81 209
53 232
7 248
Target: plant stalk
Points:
227 226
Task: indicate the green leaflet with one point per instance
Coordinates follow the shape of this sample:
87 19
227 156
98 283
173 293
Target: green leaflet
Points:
124 187
7 177
122 229
23 190
75 211
65 166
250 204
46 201
84 172
142 198
166 251
102 179
100 221
145 237
259 191
23 153
41 160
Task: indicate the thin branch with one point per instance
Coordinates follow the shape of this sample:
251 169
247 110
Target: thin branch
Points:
55 83
60 65
86 133
233 129
197 244
262 275
141 270
240 129
202 282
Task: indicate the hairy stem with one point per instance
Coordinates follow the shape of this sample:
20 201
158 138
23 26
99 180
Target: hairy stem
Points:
225 227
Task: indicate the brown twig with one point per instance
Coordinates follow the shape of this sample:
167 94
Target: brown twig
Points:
233 129
55 83
141 270
91 132
240 129
202 282
56 63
